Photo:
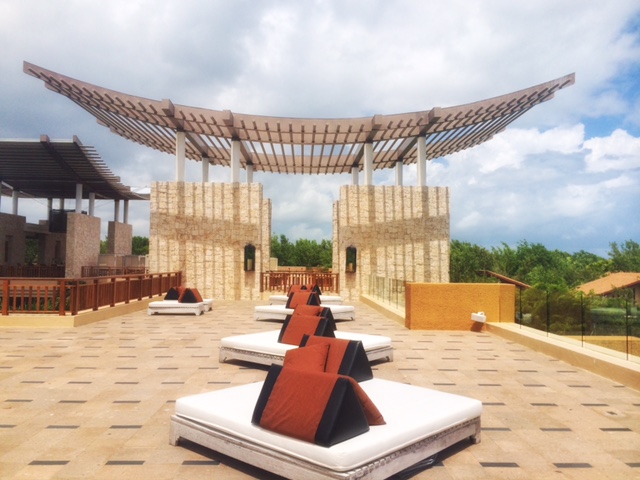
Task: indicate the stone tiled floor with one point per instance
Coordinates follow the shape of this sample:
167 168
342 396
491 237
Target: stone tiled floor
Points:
95 401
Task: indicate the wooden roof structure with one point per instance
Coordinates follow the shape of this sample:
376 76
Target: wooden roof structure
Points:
47 168
611 282
298 145
504 279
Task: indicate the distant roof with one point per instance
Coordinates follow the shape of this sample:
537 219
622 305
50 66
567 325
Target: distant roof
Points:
503 279
47 168
298 145
611 282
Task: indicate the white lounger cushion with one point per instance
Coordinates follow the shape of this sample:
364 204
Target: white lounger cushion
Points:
280 312
175 307
324 299
207 302
412 414
264 348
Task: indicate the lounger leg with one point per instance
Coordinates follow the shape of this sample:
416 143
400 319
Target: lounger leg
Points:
174 438
475 438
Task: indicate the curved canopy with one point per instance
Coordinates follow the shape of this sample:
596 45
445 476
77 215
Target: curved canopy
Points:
298 145
47 168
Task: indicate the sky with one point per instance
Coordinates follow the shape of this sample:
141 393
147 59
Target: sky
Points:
565 175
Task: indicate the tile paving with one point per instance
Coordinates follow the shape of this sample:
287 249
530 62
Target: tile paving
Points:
95 401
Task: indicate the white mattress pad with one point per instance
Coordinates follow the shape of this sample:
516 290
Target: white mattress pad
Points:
339 312
412 413
324 299
267 342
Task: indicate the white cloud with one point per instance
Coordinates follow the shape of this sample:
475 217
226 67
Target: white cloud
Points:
543 177
620 151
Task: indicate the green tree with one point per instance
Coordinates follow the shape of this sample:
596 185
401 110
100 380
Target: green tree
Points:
466 260
505 260
31 251
139 245
626 257
304 253
104 246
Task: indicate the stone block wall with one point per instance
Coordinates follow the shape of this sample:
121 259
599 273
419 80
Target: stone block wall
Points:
201 229
12 239
119 238
52 248
399 233
83 243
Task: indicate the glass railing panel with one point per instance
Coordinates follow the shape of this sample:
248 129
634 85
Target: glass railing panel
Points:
389 291
610 326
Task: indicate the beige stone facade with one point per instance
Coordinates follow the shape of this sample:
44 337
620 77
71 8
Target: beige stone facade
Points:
399 233
202 229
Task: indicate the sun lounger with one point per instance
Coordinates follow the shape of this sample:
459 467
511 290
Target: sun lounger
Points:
419 423
181 301
175 308
303 297
341 313
263 348
324 300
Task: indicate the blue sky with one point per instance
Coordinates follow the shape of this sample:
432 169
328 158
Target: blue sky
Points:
566 174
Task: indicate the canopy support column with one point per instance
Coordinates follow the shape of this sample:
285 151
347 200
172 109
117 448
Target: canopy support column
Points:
116 210
180 156
250 173
235 161
125 218
368 163
355 175
14 198
399 164
421 150
92 203
205 169
78 198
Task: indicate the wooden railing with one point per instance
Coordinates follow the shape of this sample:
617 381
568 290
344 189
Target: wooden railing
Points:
97 271
282 281
70 296
32 271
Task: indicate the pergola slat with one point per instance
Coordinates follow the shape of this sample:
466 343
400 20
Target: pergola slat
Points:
298 145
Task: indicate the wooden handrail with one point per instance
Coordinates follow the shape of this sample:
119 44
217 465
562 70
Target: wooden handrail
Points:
282 281
70 296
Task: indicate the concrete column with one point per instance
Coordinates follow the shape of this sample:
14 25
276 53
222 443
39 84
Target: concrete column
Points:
49 208
250 173
205 169
368 163
235 161
92 203
421 161
355 177
14 198
116 210
78 198
399 164
125 219
180 156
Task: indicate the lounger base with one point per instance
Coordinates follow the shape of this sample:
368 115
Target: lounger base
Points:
176 308
291 467
229 353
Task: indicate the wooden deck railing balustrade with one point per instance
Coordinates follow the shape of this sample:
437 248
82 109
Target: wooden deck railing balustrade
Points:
66 296
282 281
